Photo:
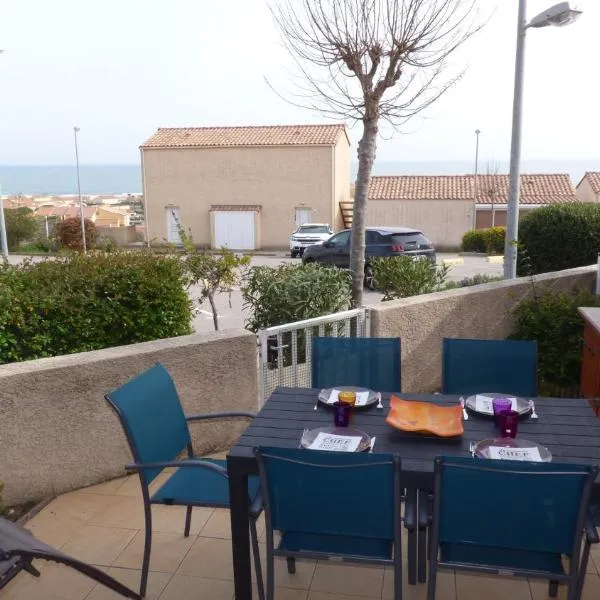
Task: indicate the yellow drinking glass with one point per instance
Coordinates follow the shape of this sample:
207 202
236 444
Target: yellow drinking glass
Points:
348 397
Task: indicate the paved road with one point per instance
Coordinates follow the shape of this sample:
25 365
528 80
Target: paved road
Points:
233 316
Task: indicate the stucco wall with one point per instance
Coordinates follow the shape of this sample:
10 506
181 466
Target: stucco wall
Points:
443 221
58 433
279 179
341 181
585 193
483 311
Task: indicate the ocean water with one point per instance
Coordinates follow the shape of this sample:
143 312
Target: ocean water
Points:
123 179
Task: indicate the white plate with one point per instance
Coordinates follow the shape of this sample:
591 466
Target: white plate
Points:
309 436
523 406
512 449
370 396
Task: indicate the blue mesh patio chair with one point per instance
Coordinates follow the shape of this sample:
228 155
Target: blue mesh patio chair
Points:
372 363
18 548
512 518
157 432
332 504
475 366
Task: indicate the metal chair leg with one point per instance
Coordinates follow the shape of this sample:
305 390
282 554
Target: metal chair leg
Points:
422 555
188 521
553 589
291 564
257 566
147 548
412 557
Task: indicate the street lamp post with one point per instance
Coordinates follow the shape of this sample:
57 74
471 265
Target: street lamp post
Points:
75 132
3 221
558 15
477 132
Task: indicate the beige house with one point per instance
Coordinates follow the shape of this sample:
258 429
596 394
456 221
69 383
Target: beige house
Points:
442 206
244 187
588 189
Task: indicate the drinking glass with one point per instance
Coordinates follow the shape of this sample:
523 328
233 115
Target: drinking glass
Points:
499 405
341 414
508 421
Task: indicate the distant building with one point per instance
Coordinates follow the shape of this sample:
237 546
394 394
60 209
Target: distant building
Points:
244 187
442 206
101 216
588 189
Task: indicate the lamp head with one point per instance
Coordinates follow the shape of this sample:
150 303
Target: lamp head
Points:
559 15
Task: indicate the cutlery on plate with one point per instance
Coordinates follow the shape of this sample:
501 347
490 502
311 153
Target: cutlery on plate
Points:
379 403
472 446
302 437
316 404
372 443
465 413
532 406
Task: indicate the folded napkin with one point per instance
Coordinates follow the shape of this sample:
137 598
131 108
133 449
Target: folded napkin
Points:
524 454
336 443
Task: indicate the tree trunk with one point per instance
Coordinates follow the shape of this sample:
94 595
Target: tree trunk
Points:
213 307
366 156
493 213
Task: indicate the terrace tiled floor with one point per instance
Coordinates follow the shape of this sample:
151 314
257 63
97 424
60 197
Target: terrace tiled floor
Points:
103 525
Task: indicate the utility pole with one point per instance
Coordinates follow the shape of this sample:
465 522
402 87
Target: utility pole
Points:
477 132
75 131
3 230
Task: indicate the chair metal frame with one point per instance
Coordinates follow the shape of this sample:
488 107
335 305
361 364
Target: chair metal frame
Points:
272 551
578 560
255 507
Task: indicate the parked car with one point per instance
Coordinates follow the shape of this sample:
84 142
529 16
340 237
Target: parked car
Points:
307 235
379 241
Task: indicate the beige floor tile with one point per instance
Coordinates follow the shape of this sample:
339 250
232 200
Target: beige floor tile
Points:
591 589
107 488
168 550
348 579
65 516
131 485
446 587
218 525
282 593
98 545
184 587
476 587
210 558
330 596
131 578
56 583
301 579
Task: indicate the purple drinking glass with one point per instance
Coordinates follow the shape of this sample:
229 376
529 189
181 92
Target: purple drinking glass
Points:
508 421
341 414
499 405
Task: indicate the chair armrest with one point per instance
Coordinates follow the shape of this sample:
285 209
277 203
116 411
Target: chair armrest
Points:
177 463
591 533
222 415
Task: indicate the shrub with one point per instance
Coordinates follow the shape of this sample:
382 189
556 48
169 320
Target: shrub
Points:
494 239
88 302
68 234
402 276
477 279
552 319
21 226
473 241
560 236
289 293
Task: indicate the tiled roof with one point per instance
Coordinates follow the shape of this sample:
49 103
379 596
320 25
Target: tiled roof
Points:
593 178
65 212
217 137
535 189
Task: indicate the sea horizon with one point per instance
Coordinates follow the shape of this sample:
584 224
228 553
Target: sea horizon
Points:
115 179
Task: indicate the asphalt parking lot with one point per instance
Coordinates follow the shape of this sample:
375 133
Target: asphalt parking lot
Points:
232 317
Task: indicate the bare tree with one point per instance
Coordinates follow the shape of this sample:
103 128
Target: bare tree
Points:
372 60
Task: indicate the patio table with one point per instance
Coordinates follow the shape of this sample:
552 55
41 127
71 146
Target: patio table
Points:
568 427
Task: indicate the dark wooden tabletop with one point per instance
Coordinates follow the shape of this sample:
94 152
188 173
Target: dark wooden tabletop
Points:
567 427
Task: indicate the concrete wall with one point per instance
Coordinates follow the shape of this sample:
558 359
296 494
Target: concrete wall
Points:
280 179
443 221
58 433
483 311
585 193
122 236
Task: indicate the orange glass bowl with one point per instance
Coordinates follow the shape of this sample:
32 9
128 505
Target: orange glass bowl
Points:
424 417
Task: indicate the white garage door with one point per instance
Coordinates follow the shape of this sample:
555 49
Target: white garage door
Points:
234 229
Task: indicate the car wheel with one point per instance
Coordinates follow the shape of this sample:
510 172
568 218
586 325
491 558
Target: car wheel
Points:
369 280
293 254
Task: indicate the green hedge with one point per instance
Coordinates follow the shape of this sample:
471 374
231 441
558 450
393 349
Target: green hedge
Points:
89 302
490 240
561 236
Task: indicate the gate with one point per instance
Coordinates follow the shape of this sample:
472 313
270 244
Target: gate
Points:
285 350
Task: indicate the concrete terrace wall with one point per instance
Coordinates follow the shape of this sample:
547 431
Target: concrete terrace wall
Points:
58 433
483 311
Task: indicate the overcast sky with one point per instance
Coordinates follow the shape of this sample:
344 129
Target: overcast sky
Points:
119 69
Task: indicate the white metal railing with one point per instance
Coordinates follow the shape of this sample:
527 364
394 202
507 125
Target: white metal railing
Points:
285 350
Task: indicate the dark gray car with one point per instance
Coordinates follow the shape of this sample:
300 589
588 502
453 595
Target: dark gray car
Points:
379 241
